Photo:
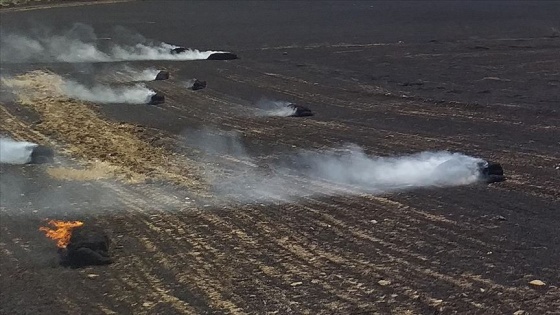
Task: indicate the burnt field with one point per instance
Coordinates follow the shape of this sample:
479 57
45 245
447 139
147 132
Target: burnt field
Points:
192 194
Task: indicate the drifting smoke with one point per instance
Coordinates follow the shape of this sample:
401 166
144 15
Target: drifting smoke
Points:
275 108
81 44
161 52
15 152
189 83
385 174
346 171
138 94
139 75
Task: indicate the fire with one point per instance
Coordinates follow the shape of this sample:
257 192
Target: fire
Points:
62 233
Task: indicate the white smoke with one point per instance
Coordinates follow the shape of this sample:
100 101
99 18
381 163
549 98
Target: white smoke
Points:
137 94
161 52
385 174
15 152
81 44
274 108
344 171
139 75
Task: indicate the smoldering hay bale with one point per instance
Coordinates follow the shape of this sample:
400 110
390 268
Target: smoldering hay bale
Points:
156 99
162 75
198 85
488 172
300 111
491 172
222 56
41 155
89 245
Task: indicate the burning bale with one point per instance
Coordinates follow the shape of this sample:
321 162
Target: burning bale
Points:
79 245
162 75
222 56
156 99
198 85
300 111
41 154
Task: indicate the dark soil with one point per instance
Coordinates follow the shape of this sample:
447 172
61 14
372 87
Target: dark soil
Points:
479 78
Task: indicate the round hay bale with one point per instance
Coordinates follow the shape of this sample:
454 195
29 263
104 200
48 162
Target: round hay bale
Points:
89 245
222 56
300 111
162 75
156 99
198 85
41 155
492 172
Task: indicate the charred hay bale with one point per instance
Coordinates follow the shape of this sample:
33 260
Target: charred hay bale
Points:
198 85
492 172
222 56
300 111
41 155
89 245
156 99
162 75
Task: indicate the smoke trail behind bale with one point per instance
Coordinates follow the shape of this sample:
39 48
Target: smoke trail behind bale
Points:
386 174
137 94
160 52
77 44
275 108
15 152
135 75
81 44
241 177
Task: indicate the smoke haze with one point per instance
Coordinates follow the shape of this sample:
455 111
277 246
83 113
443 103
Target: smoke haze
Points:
81 44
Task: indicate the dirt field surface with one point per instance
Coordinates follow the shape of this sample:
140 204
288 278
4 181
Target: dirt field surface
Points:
480 78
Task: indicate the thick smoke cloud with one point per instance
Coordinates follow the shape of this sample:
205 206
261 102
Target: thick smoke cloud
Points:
15 152
137 94
348 170
81 44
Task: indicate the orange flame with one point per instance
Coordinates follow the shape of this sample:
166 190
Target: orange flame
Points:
62 233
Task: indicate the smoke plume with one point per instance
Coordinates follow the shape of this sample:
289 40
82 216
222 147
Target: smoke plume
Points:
15 152
137 94
274 108
139 75
348 170
81 44
385 174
